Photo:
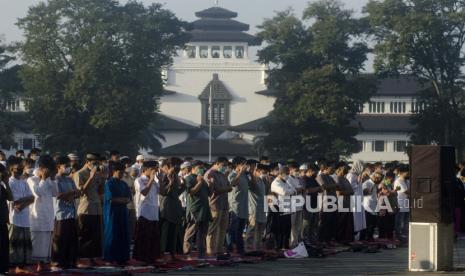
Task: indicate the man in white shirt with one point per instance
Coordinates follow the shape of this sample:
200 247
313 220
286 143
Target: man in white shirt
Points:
147 236
297 216
281 221
19 228
42 214
370 204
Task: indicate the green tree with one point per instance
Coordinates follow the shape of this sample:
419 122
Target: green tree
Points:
93 71
316 64
425 39
10 86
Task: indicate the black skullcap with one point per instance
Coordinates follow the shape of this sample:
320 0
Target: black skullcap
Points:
118 166
63 160
238 160
292 164
35 151
221 159
262 167
251 162
197 163
150 164
340 164
46 161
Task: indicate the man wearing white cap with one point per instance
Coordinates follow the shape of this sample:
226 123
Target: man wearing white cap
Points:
139 161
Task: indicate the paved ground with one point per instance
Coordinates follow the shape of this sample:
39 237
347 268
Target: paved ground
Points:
386 262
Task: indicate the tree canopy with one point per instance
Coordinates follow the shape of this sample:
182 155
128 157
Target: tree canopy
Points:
425 39
10 86
315 70
93 72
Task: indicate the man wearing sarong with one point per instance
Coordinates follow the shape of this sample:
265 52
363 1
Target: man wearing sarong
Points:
19 229
89 180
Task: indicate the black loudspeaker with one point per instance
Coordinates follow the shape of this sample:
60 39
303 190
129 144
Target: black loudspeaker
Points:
432 179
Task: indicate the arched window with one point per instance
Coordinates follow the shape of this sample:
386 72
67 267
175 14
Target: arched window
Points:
203 51
227 51
239 52
219 112
216 51
191 51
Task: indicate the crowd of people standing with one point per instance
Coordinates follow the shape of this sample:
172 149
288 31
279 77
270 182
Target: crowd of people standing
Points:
57 210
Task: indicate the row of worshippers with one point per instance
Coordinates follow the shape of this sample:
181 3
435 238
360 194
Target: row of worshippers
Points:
92 213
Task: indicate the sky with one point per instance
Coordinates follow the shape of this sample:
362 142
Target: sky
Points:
252 12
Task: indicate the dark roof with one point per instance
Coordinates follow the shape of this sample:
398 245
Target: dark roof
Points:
267 92
223 36
383 123
216 130
402 86
219 90
168 92
216 12
199 147
255 125
215 24
166 123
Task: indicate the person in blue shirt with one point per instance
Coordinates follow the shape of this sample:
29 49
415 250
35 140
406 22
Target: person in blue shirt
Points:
116 242
65 236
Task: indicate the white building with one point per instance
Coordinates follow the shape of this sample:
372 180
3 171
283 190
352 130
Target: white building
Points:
384 122
216 61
